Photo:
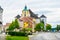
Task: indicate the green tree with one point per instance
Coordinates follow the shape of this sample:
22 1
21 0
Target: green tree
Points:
16 23
39 27
11 27
42 21
58 27
48 27
42 26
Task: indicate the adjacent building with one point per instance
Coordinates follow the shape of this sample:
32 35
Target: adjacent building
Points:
1 11
43 19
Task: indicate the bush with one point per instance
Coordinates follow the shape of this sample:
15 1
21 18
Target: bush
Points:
17 33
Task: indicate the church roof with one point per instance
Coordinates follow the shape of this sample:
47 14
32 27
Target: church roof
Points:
32 14
27 19
42 16
18 16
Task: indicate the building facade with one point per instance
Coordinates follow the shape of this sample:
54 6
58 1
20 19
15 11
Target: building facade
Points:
1 11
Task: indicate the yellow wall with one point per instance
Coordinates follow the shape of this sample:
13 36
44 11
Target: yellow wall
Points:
25 12
26 24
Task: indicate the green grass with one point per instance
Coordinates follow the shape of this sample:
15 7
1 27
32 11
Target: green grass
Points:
16 38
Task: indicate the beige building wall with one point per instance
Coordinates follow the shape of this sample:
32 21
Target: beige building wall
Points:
20 23
37 21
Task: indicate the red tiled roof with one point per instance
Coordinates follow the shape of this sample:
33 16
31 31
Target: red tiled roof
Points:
27 19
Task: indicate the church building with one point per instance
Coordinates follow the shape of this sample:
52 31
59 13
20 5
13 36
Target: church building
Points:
28 19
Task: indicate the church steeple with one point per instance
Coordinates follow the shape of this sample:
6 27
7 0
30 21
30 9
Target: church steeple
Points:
25 12
25 8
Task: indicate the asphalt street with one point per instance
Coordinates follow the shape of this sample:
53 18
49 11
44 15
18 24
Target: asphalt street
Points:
45 36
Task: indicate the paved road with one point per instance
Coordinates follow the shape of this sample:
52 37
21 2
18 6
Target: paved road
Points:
45 36
2 36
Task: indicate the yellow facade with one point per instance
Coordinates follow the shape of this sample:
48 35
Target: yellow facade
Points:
26 24
25 13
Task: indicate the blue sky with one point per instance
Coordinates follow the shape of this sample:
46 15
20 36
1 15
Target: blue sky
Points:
50 8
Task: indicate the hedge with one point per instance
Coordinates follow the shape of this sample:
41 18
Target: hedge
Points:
17 33
14 33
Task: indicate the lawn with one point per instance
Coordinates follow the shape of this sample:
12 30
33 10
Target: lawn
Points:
16 38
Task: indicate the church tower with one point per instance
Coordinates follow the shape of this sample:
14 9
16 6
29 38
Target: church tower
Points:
25 12
43 20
